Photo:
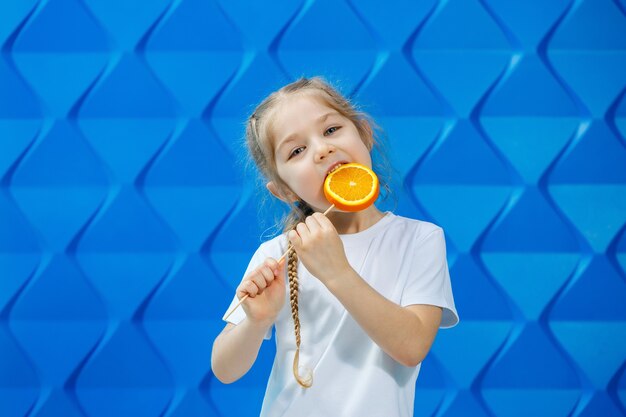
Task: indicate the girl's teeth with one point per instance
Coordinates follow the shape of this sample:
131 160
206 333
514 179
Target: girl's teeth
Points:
335 168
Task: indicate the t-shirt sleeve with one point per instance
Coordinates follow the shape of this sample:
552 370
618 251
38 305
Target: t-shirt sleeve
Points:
429 279
239 314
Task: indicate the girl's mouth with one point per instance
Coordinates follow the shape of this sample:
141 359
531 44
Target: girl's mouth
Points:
334 167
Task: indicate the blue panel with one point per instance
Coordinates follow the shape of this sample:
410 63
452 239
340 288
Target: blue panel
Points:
310 45
129 211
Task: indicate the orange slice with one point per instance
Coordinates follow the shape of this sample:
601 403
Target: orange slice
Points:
351 187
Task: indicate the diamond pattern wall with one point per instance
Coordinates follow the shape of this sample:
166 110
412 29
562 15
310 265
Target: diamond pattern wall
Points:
127 214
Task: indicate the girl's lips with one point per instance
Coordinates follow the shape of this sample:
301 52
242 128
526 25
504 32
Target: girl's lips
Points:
335 166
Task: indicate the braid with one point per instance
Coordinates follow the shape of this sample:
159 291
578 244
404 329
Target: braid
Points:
292 271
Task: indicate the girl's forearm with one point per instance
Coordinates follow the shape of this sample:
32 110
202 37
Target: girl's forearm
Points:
397 331
235 351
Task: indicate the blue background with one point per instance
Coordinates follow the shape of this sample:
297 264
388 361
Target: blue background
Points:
127 215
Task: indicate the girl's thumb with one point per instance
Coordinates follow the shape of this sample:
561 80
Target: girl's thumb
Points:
280 271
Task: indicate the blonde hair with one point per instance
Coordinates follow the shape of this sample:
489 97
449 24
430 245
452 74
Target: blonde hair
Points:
259 141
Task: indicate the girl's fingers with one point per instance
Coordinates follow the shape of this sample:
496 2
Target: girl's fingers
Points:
294 238
280 272
259 280
313 227
312 224
302 229
248 287
268 275
323 221
255 288
302 232
272 264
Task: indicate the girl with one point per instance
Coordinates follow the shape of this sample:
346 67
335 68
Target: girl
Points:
367 290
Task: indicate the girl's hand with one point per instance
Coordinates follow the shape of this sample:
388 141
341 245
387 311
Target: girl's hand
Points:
319 248
266 287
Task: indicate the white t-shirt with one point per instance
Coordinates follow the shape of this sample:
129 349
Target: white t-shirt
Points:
405 261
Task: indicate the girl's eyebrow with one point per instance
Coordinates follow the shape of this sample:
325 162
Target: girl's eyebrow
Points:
292 137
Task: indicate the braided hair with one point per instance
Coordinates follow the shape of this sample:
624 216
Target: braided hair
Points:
292 271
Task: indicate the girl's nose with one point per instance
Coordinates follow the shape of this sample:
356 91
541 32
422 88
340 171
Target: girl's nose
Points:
323 149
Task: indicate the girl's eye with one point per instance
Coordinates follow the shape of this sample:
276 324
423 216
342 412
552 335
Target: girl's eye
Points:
296 151
331 130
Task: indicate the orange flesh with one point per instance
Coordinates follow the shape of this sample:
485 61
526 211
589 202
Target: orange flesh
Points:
351 187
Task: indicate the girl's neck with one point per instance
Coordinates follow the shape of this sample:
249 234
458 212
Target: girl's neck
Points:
348 223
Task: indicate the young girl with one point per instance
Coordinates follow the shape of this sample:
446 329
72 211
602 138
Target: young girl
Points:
368 290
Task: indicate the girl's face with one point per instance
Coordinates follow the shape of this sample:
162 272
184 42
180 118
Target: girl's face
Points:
311 138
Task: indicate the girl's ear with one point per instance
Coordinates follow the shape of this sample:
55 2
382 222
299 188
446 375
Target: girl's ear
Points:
276 192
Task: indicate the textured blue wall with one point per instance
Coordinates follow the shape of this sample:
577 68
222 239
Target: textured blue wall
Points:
127 219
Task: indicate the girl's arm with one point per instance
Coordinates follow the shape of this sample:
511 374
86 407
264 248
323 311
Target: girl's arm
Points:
404 333
236 349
